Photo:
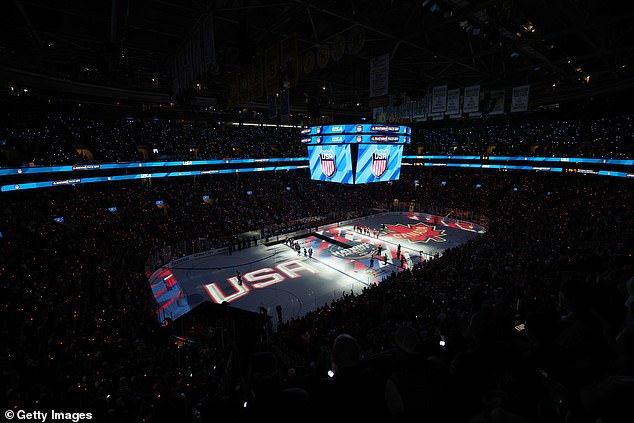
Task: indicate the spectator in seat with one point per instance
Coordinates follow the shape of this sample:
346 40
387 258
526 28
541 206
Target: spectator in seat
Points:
579 334
419 388
268 401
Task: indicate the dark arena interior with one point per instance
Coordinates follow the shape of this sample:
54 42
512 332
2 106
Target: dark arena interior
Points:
307 211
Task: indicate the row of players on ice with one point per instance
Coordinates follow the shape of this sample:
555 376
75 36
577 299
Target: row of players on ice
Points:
376 255
365 230
295 246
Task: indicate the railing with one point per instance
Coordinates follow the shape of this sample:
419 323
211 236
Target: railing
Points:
198 247
452 213
314 222
161 256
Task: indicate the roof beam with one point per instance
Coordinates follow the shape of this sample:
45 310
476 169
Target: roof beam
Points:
594 54
29 24
253 6
390 36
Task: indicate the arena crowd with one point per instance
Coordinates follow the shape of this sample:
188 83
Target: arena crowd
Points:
531 322
435 342
46 137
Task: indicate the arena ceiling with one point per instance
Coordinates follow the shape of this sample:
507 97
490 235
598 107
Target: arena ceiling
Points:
566 49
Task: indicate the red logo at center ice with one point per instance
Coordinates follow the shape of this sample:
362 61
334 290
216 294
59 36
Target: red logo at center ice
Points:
416 233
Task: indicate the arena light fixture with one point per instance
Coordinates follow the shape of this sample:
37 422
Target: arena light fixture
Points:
528 26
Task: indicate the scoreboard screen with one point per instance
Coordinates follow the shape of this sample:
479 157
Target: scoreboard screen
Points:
331 163
356 139
356 153
365 128
378 163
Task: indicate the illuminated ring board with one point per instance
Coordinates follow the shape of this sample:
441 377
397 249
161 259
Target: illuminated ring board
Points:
157 175
139 165
532 164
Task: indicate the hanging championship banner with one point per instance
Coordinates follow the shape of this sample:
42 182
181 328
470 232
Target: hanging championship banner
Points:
497 97
379 75
197 54
272 68
519 98
234 90
323 56
471 101
285 106
255 79
288 61
176 89
439 100
419 109
243 80
378 115
272 103
338 48
209 43
182 71
453 101
356 40
189 63
309 62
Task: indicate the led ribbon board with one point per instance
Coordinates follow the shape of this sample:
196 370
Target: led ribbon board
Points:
356 139
357 133
137 165
365 128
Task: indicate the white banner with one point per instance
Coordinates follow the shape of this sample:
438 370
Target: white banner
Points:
519 99
323 56
405 111
420 108
439 101
453 101
379 75
378 115
471 101
497 97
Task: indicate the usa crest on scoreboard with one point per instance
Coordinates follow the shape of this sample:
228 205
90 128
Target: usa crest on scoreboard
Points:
379 162
328 163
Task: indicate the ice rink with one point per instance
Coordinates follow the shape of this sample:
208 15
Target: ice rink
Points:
345 258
